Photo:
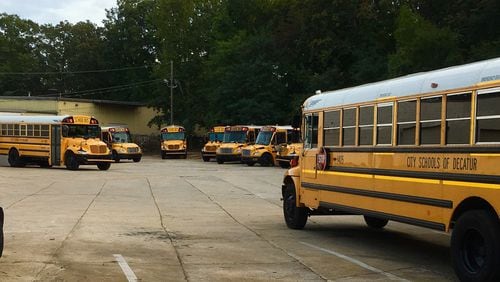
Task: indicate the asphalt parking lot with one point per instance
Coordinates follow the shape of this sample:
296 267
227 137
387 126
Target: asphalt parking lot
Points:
187 220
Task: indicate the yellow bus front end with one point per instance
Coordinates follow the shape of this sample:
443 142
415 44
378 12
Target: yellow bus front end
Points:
266 146
235 138
173 141
120 142
214 139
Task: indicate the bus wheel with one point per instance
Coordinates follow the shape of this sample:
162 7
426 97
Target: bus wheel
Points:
14 159
475 248
295 217
266 160
206 159
250 163
219 161
163 155
375 222
136 160
103 166
115 157
71 161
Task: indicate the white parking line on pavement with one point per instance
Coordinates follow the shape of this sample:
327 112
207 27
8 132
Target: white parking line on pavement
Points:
125 268
357 262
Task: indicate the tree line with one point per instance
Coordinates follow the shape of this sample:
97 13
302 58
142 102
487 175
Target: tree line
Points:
240 61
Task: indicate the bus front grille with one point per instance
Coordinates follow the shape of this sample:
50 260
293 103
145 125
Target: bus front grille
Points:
226 150
132 150
210 148
173 147
98 149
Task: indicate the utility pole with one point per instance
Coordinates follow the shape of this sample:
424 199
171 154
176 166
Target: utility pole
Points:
171 92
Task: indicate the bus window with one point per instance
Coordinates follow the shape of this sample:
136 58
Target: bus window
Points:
311 132
349 127
430 120
488 120
407 122
366 125
331 127
280 138
458 118
384 124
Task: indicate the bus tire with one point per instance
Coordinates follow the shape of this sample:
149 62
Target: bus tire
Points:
266 160
115 157
103 166
136 160
14 158
206 159
163 155
375 222
250 163
475 247
219 161
295 217
71 161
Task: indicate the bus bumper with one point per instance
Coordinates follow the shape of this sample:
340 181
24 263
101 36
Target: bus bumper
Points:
208 154
228 158
129 156
174 152
93 159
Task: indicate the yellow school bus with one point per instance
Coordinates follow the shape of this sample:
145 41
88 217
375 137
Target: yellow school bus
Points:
120 142
173 141
268 142
422 149
235 137
214 139
53 140
290 151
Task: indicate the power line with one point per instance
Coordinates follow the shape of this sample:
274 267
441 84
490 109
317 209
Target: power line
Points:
72 72
103 89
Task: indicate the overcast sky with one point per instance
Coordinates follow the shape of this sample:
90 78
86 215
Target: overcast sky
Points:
54 11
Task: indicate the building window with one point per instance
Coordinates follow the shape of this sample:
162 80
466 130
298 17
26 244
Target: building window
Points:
406 122
488 117
430 120
349 127
366 125
331 127
458 108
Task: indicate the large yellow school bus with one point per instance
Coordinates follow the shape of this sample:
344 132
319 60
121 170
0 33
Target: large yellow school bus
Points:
290 151
235 137
173 141
53 140
266 146
214 139
120 142
422 149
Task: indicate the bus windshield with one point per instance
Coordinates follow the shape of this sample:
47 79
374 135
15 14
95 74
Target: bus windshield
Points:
173 136
82 131
235 137
216 136
264 138
122 137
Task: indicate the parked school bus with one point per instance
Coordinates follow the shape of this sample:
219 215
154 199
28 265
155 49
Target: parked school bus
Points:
120 142
290 151
214 139
235 137
53 140
266 146
173 141
422 149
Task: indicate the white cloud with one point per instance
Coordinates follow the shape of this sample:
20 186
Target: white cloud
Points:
55 11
